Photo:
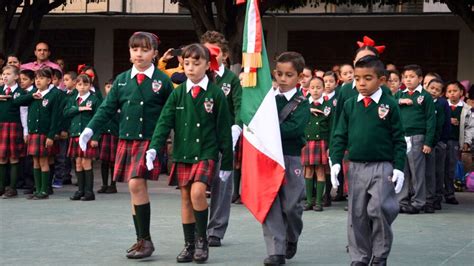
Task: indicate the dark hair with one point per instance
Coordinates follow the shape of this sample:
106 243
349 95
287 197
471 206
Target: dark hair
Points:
15 69
458 84
84 79
371 61
470 92
95 82
217 38
330 73
318 78
309 68
433 74
439 81
197 51
414 68
13 55
29 73
296 59
72 74
45 72
110 81
144 39
394 72
345 64
2 56
370 48
58 74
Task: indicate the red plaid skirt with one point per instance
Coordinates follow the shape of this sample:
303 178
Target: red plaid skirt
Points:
314 153
12 143
130 161
74 150
108 148
182 174
37 146
238 152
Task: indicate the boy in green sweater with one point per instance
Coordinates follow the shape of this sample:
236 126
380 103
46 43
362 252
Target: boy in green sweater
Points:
419 121
370 128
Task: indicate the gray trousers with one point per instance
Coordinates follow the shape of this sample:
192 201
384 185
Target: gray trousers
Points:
415 166
430 180
221 197
373 207
452 156
440 151
284 220
62 163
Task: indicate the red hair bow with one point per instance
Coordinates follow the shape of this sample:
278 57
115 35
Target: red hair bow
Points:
80 68
369 42
214 51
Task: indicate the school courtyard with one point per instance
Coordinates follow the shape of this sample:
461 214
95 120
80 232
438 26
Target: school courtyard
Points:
61 232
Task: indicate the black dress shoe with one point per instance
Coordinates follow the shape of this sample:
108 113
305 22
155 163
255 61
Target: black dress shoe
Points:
88 196
143 249
111 190
428 209
339 198
187 253
291 248
41 196
358 263
67 182
409 209
201 252
235 197
318 208
274 260
28 191
50 191
77 195
452 201
378 261
214 241
327 202
437 205
308 206
102 189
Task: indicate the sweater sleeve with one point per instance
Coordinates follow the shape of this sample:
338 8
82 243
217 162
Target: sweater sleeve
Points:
340 137
95 107
165 123
399 143
237 100
224 134
106 110
430 121
56 117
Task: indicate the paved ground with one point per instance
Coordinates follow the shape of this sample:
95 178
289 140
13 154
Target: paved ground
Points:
61 232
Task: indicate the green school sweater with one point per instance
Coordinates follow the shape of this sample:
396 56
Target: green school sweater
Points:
79 120
43 115
230 85
9 111
419 118
140 105
66 122
292 130
201 126
372 134
319 127
440 117
456 113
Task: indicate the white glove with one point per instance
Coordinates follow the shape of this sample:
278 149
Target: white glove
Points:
150 157
85 136
408 141
224 175
399 177
236 130
335 169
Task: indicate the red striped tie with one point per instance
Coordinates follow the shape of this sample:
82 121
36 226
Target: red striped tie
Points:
195 91
140 78
367 101
8 91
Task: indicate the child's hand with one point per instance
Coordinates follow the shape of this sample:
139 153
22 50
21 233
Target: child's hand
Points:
63 135
25 138
5 97
454 122
94 143
37 96
49 143
85 108
426 149
405 101
315 111
167 55
466 147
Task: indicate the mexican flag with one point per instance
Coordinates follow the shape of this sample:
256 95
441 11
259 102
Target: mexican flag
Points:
263 166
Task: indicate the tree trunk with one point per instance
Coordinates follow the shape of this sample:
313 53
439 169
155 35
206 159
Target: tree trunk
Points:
21 31
463 10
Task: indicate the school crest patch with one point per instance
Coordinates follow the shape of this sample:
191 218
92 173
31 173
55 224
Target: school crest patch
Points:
89 103
156 85
334 102
327 110
208 105
45 102
420 99
226 88
383 111
16 95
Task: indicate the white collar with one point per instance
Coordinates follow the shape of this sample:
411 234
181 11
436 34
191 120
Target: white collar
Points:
353 83
30 88
12 88
459 104
221 70
320 100
330 95
83 97
92 89
50 86
203 84
375 96
148 72
288 95
43 93
419 89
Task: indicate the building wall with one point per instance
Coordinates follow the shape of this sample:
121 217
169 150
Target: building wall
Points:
110 33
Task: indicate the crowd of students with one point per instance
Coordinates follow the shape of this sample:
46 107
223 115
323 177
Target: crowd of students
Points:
368 120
